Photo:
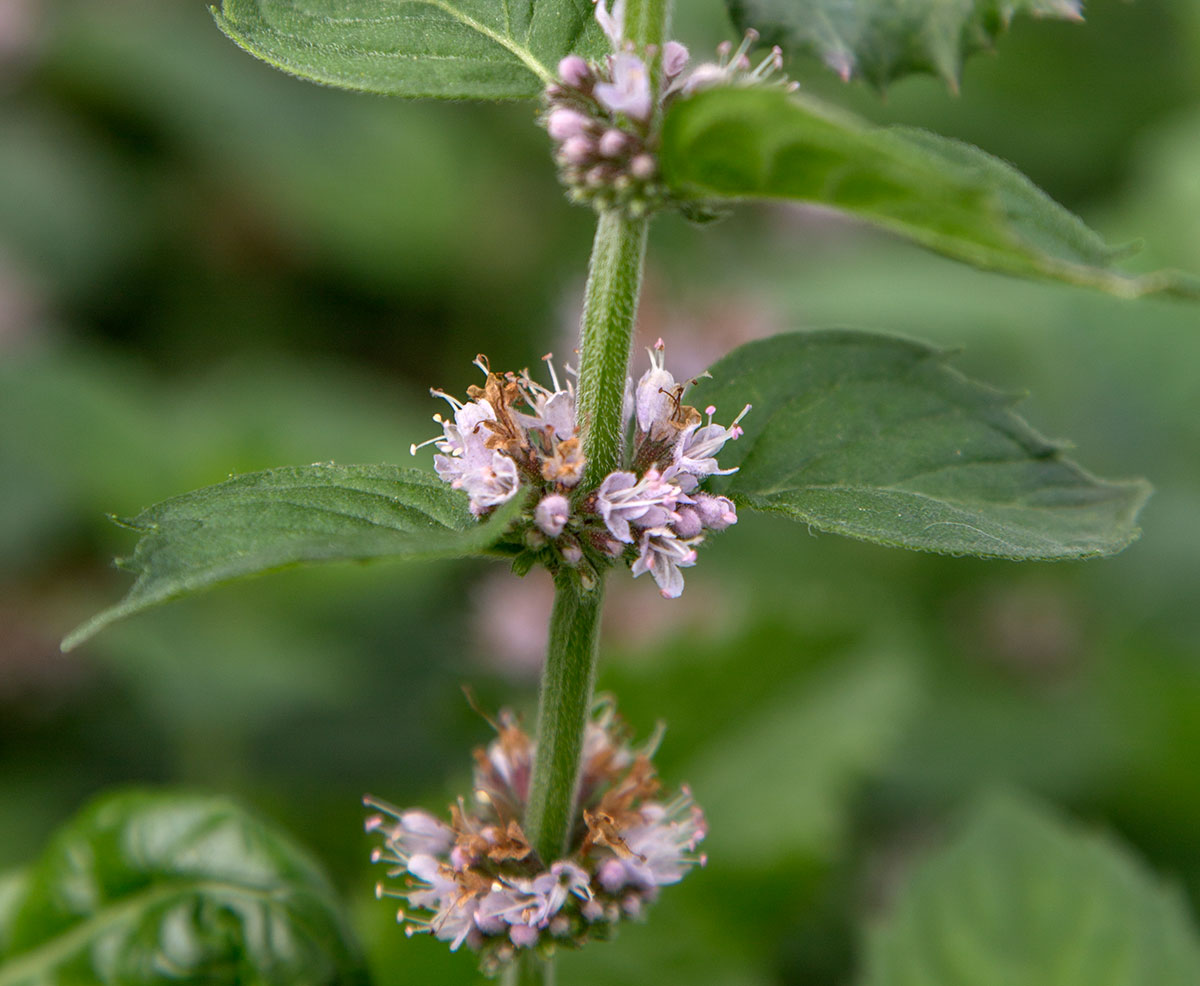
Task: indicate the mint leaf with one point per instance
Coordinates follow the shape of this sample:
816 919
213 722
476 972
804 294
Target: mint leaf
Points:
1023 897
452 49
151 887
883 40
268 520
743 143
876 437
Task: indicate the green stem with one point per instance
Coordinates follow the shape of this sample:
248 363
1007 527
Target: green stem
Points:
646 21
564 706
609 312
529 970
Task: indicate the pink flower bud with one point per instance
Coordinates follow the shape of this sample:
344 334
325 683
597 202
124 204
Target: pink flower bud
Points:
578 150
613 143
523 936
687 523
551 514
574 72
564 122
716 512
643 166
675 59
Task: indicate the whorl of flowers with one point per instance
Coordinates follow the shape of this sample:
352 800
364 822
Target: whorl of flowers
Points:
604 116
514 435
476 880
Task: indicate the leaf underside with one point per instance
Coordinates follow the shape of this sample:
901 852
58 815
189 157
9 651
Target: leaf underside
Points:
763 143
145 888
877 438
450 49
269 520
1023 898
884 40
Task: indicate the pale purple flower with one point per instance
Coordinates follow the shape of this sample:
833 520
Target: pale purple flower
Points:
674 59
663 847
415 832
622 499
551 514
523 936
499 908
454 915
629 91
655 399
698 446
550 890
490 485
716 512
613 24
687 523
662 554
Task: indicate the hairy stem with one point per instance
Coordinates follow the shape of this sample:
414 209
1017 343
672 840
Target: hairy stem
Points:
564 706
529 970
609 312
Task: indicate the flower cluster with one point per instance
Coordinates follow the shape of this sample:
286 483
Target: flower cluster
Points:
603 116
515 434
476 879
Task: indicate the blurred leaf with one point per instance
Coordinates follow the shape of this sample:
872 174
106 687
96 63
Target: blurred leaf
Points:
268 520
777 784
876 437
453 49
13 888
1024 898
883 40
743 143
148 887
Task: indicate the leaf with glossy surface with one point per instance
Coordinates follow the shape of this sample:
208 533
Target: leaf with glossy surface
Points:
883 40
268 520
876 437
145 888
760 143
452 49
1024 898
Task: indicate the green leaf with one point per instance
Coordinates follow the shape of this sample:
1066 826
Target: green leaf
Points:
452 49
745 143
145 887
1024 898
876 437
883 40
268 520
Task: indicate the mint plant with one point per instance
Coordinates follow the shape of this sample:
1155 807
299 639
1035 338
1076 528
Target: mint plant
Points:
612 463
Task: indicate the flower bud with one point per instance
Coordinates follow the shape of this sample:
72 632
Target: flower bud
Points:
574 72
687 523
551 514
578 150
613 143
643 166
674 59
564 122
716 512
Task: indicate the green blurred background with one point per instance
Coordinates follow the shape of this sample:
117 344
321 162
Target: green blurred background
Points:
207 267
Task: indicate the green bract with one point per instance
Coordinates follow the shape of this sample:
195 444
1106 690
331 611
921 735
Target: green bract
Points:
269 520
730 143
142 888
1024 898
876 437
883 40
453 49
